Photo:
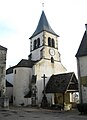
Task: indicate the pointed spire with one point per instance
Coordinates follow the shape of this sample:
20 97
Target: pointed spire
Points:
82 50
43 25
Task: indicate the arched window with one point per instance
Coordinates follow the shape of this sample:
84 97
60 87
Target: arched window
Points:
49 41
35 44
38 42
53 43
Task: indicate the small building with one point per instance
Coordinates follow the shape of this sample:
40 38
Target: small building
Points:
81 56
63 86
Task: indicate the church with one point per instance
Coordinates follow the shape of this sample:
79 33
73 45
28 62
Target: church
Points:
42 73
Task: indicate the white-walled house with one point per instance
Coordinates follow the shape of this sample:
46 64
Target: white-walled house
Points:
81 56
44 59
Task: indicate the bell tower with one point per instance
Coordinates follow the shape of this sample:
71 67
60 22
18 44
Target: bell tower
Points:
44 53
44 42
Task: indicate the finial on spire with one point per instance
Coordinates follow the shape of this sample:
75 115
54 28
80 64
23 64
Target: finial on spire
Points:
43 5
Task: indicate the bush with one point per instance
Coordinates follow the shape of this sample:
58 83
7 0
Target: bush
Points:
82 107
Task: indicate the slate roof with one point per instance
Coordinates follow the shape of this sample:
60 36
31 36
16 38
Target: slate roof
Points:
10 70
8 84
3 48
82 51
43 25
23 63
26 63
61 83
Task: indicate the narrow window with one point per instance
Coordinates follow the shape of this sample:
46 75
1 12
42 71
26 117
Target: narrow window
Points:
31 46
52 60
53 43
38 42
15 72
34 44
49 41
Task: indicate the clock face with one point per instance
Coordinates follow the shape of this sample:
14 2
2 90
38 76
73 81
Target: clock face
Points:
52 52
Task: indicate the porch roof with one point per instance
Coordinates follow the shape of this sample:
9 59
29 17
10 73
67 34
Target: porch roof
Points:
61 83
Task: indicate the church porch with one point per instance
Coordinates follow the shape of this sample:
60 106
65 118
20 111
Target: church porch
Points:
63 86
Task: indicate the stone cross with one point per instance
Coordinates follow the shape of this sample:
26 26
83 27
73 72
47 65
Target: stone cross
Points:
44 81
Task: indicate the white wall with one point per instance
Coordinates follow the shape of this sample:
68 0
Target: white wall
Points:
50 97
36 52
47 68
27 101
82 70
21 84
83 65
47 48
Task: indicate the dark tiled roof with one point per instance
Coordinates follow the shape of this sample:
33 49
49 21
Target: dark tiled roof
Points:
10 70
43 25
82 51
3 48
61 83
8 84
26 63
22 63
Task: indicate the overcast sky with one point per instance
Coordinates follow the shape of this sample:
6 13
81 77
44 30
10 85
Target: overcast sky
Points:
19 19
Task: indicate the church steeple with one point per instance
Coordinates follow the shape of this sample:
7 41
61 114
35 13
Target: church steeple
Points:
43 42
43 25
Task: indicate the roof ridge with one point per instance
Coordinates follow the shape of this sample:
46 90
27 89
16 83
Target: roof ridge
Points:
2 47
